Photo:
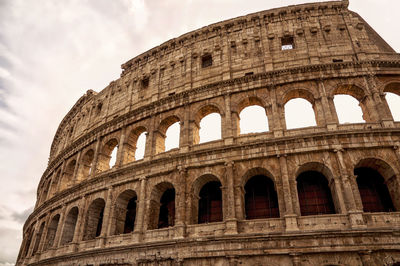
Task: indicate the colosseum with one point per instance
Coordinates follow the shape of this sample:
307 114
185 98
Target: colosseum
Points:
324 194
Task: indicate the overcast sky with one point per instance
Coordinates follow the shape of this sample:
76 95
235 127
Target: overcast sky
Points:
52 52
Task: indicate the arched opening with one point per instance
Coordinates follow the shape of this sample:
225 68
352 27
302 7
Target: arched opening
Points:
51 232
38 238
54 182
253 119
207 124
140 146
172 136
210 128
374 193
94 219
135 145
210 203
167 137
125 212
86 165
69 226
46 188
28 241
299 113
166 218
315 197
108 156
67 179
393 101
348 109
261 200
162 206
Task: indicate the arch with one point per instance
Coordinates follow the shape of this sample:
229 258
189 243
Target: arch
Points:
131 145
107 152
69 226
261 200
314 195
378 185
161 134
207 125
210 203
297 101
51 231
348 109
249 101
253 119
393 101
38 238
162 206
46 189
30 233
94 219
125 212
356 92
86 165
54 183
349 89
68 176
298 93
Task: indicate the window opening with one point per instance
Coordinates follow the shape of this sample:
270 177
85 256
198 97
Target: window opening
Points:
253 120
140 146
348 109
69 226
172 137
145 83
314 194
130 216
374 193
113 158
206 61
166 217
287 43
210 128
393 101
261 200
299 113
210 203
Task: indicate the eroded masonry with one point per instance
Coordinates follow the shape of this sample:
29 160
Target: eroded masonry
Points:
327 194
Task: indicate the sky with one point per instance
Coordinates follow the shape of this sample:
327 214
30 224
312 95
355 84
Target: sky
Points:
52 52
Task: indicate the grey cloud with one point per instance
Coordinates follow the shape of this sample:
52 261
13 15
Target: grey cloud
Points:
22 216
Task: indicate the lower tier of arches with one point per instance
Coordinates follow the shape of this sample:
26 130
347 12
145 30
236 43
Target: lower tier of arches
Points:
357 247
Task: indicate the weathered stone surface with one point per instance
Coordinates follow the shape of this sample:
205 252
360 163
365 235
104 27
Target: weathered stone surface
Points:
333 51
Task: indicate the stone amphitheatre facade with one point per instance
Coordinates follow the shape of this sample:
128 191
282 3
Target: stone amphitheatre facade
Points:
318 195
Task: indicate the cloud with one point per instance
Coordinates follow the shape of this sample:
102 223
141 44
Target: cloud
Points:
51 52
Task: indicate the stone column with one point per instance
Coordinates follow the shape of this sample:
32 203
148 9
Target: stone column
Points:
107 216
60 227
95 158
185 132
355 214
319 112
380 110
79 223
75 174
62 168
227 130
278 114
139 226
180 218
290 215
231 220
79 231
330 115
121 146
